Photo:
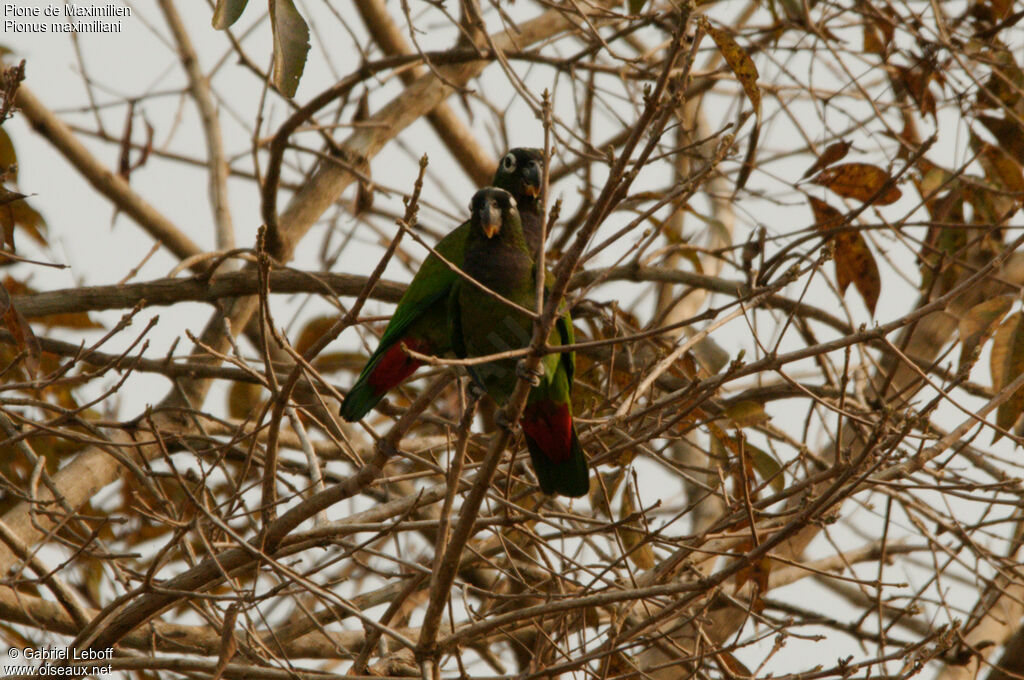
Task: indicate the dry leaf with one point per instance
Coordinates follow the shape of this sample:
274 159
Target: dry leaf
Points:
1009 134
977 326
24 338
834 153
740 63
1007 362
853 259
854 262
860 181
747 413
640 553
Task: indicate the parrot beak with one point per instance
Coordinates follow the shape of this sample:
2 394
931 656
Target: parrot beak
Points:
491 229
490 219
532 179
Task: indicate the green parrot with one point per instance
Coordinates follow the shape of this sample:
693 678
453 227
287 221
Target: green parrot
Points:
498 257
420 319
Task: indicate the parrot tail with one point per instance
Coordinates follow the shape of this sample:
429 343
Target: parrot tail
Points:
386 369
555 450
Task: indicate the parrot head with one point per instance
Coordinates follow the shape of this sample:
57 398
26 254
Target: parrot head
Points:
521 172
490 208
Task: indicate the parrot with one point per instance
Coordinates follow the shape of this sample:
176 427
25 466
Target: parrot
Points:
420 319
498 257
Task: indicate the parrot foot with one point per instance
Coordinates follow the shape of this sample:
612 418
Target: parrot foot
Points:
531 376
475 390
501 420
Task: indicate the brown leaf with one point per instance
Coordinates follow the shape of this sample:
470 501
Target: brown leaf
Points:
860 181
739 61
1000 168
1007 364
24 338
1009 134
978 325
8 157
640 553
364 192
227 12
1003 88
243 399
914 82
312 331
21 214
602 492
228 644
872 40
759 571
834 153
856 263
825 216
291 45
853 259
124 160
729 660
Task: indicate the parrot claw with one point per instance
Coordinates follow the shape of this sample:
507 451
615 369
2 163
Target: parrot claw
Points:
531 376
501 420
475 391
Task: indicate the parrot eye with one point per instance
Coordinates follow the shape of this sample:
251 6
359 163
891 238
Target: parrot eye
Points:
508 163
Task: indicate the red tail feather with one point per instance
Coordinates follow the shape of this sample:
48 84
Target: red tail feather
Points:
395 365
549 425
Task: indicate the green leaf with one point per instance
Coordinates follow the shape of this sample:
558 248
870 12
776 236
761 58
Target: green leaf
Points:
227 13
747 413
636 6
766 466
291 45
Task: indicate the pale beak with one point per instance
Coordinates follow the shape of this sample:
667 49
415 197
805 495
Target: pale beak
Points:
491 228
531 179
490 219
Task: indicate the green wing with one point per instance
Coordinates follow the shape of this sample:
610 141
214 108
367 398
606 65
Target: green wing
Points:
455 322
431 284
419 316
568 337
